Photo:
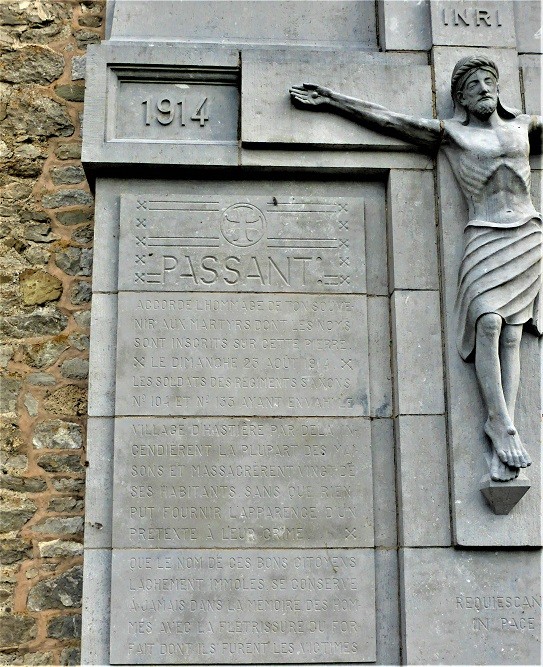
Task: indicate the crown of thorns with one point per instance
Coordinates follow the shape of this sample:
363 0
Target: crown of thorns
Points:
465 67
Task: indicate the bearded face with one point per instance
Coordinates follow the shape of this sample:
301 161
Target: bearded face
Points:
479 94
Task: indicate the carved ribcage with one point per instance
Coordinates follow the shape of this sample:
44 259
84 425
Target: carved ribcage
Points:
475 174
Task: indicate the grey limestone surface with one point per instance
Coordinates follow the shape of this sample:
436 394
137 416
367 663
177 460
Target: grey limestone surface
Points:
308 23
474 523
240 533
387 604
379 357
269 117
99 483
191 353
243 607
470 23
405 25
235 242
417 354
102 355
528 25
423 485
471 607
531 79
96 607
412 230
145 104
384 483
220 483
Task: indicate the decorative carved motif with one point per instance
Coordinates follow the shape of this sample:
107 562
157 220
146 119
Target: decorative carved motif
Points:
499 288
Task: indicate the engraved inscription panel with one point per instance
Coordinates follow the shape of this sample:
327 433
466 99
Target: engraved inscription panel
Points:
243 244
243 355
473 23
223 483
178 112
277 606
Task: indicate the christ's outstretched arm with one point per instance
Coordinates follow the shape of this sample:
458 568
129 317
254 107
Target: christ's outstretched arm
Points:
420 131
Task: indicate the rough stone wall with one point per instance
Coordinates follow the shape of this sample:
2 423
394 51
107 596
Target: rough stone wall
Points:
45 267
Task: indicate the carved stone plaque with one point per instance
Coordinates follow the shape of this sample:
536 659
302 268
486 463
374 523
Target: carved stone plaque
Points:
259 483
234 243
239 354
175 111
245 607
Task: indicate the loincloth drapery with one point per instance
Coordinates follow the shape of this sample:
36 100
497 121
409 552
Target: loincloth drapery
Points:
500 273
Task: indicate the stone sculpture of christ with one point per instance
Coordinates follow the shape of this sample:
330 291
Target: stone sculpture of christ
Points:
499 284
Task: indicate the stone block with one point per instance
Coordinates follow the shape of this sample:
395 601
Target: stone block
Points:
268 115
103 345
387 604
444 60
313 22
423 481
379 357
321 369
503 497
384 483
471 607
106 238
405 25
135 117
531 83
99 483
468 23
57 592
243 511
96 607
251 243
417 357
412 230
376 239
528 25
246 592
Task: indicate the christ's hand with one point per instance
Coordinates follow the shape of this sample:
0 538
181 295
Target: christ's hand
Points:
310 96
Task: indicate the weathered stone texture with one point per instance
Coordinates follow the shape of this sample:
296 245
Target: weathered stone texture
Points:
59 592
45 322
15 630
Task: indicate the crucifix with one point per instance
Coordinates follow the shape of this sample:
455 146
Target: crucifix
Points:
499 284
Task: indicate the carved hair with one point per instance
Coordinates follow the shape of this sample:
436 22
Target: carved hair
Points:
462 70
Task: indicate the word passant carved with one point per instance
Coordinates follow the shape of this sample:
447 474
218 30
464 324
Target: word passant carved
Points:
499 286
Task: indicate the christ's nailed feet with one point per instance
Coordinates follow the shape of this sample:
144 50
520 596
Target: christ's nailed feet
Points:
506 442
500 472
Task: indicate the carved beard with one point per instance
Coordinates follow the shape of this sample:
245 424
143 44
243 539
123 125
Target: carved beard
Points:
483 109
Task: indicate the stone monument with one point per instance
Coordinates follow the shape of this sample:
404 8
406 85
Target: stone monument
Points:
285 446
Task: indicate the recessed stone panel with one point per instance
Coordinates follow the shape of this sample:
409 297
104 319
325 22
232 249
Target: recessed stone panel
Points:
471 607
473 23
241 354
243 607
310 22
237 243
180 110
223 483
268 116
